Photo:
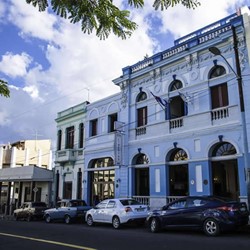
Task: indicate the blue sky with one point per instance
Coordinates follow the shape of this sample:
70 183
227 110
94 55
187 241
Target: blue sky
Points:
51 65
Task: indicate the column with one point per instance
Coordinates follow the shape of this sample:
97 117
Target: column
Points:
13 157
39 157
27 154
1 157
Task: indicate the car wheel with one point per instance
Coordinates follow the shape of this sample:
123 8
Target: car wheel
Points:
211 227
67 219
47 218
90 221
116 222
154 225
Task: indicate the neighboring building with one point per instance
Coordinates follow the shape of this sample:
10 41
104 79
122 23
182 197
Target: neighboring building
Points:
25 173
69 159
177 127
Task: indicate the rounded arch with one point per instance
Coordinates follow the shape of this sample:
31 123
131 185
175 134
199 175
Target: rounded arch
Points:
177 154
222 149
101 162
142 96
140 159
208 69
175 85
93 114
113 107
216 71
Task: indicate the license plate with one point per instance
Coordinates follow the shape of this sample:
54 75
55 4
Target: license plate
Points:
139 209
243 209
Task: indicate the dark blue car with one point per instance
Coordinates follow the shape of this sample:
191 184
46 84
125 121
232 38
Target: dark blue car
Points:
210 214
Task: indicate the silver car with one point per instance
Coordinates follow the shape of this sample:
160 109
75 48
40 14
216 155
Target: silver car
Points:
67 211
117 212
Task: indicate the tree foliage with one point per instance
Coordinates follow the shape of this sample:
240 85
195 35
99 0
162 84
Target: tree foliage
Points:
102 16
4 90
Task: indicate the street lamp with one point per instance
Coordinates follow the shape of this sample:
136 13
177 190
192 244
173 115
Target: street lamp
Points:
238 75
217 52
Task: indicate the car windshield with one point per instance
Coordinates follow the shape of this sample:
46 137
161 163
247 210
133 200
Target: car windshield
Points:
130 202
77 203
39 204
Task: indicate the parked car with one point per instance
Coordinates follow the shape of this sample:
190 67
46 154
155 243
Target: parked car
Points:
117 212
211 214
67 211
30 211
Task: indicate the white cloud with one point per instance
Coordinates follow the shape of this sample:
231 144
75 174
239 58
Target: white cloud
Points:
32 91
30 21
15 65
181 21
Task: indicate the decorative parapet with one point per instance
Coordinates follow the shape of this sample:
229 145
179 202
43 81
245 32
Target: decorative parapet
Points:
73 110
184 43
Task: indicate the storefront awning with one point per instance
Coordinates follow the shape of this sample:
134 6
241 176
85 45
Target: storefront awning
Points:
26 173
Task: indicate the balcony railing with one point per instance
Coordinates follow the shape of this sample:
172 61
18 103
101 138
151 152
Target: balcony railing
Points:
68 155
176 123
141 131
146 199
220 113
143 199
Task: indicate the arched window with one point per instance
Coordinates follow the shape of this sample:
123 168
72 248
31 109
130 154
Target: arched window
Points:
224 149
176 84
103 162
178 155
216 71
141 159
142 96
142 112
177 106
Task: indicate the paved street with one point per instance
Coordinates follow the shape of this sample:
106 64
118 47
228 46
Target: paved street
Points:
38 235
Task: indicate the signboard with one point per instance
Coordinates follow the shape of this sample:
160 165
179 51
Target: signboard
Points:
118 148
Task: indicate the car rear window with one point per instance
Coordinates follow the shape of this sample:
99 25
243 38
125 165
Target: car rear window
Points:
78 203
129 202
39 204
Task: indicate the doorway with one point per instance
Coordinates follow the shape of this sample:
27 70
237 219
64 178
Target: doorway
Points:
225 179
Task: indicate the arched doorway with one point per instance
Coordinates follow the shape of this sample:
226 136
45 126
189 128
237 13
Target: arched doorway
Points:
225 179
178 172
102 179
141 175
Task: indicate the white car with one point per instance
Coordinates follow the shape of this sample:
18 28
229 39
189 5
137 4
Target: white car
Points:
117 212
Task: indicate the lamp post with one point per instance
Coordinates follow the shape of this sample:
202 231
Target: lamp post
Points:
238 75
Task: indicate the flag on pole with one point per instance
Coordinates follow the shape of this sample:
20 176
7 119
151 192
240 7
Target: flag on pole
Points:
161 101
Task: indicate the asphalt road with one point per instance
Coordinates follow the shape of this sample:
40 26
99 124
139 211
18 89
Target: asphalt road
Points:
37 235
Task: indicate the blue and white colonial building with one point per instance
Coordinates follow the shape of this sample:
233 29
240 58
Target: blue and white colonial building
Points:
179 125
